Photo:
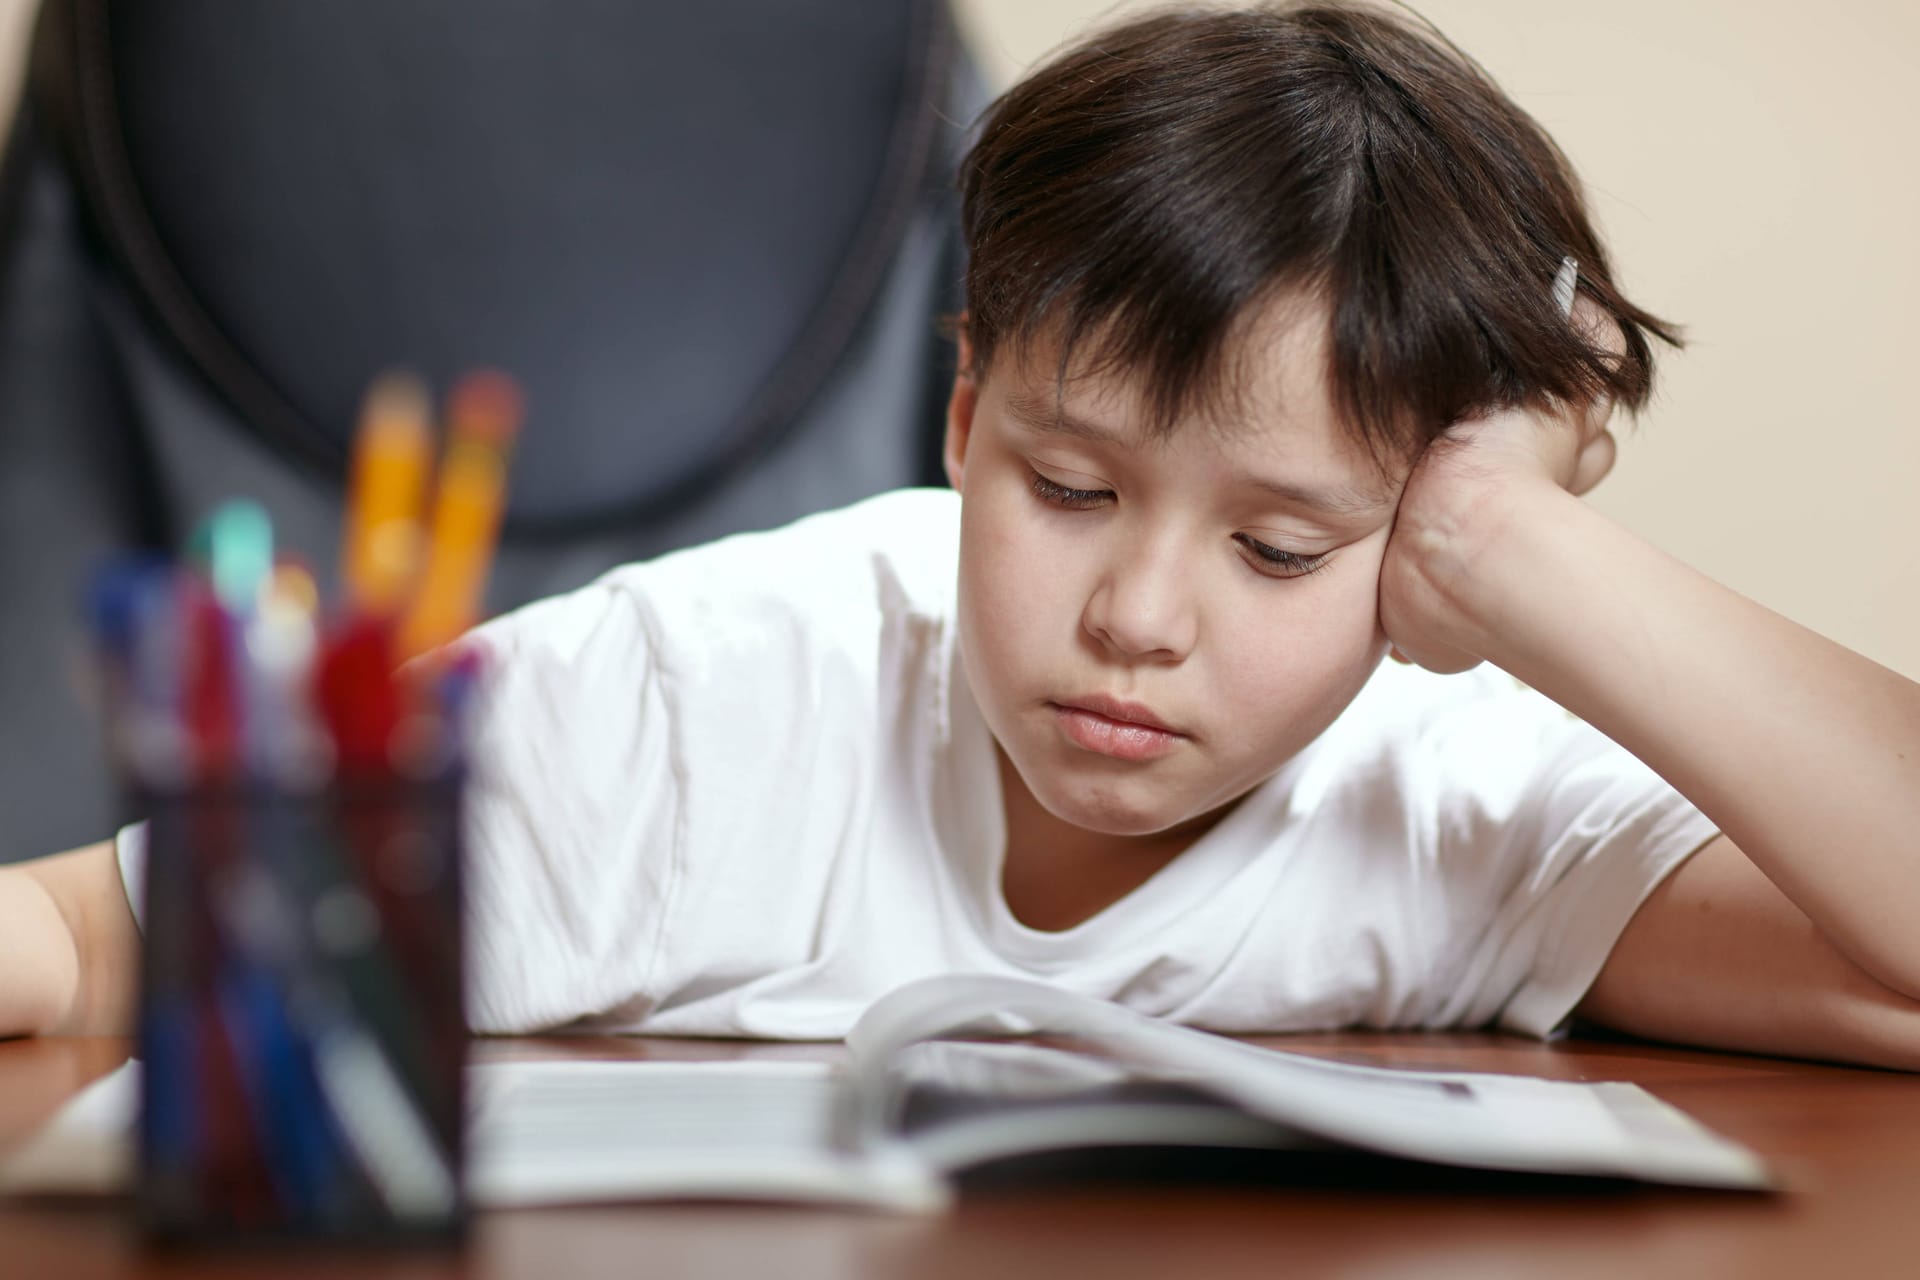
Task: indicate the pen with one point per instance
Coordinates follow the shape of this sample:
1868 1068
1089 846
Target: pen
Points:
282 743
210 701
238 538
358 698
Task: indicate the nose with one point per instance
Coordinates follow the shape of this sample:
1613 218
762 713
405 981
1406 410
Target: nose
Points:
1143 608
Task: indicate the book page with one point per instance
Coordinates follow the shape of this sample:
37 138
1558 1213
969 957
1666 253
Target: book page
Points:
553 1132
1485 1121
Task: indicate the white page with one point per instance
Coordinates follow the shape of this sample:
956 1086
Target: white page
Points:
1486 1121
86 1147
550 1132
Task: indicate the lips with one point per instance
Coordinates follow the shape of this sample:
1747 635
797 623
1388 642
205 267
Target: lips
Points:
1120 712
1110 727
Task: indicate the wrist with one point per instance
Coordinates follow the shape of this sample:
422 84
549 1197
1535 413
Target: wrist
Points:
1538 596
1475 556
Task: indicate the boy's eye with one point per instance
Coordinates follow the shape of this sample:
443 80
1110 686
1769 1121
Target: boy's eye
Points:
1271 561
1276 563
1061 496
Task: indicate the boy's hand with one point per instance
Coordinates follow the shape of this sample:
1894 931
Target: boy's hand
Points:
1465 496
69 947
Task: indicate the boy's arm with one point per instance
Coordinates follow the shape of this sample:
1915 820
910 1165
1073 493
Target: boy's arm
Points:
69 947
1718 956
1799 930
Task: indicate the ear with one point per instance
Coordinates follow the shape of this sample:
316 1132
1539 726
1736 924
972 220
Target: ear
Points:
960 406
1597 449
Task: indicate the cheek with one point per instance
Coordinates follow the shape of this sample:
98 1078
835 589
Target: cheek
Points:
997 567
1010 595
1022 567
1308 655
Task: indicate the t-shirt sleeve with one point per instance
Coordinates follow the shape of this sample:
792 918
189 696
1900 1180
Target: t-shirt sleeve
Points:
1549 836
572 817
130 851
675 769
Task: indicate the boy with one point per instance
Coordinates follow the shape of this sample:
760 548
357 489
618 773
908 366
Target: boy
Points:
1262 376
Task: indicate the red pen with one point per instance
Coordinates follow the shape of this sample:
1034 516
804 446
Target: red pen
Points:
358 694
210 704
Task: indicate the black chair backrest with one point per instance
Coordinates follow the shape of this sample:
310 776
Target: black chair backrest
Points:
712 241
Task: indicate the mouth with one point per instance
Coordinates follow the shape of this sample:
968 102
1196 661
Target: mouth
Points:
1110 727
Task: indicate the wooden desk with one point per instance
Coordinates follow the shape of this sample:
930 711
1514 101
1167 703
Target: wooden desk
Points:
1848 1143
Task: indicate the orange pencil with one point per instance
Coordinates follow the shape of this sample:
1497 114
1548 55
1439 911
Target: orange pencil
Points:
380 542
483 415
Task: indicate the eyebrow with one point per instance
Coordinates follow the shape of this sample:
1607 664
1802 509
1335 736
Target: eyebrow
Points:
1039 415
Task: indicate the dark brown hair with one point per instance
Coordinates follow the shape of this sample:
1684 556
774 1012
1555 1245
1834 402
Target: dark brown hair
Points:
1140 193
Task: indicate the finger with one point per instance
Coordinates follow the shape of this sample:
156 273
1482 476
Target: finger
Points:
1594 462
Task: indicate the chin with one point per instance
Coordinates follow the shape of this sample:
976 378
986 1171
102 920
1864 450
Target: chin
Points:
1108 809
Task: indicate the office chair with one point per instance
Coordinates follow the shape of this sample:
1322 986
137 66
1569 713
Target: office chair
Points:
712 242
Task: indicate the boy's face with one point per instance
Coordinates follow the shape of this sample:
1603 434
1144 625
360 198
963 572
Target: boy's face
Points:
1152 628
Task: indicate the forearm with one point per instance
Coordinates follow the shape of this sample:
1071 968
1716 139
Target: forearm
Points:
39 968
68 946
1805 754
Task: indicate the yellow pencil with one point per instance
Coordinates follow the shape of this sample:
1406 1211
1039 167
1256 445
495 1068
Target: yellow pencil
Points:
483 415
380 542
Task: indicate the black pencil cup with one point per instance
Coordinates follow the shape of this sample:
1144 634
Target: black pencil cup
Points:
301 1028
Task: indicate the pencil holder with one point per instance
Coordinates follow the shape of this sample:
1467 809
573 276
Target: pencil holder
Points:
301 1030
301 770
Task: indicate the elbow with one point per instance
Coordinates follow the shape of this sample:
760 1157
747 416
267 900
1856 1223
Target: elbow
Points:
1898 974
1878 1029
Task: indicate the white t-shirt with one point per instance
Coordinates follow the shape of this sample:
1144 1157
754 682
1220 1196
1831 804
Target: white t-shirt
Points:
744 790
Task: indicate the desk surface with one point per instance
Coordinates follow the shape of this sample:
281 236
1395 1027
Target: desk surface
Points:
1847 1143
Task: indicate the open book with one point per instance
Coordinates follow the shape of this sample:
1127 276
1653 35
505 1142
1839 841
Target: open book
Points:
915 1105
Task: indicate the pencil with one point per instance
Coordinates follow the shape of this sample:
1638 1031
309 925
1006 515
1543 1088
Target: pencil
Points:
380 550
483 415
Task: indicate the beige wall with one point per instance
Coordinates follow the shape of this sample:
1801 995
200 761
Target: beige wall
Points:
1751 163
